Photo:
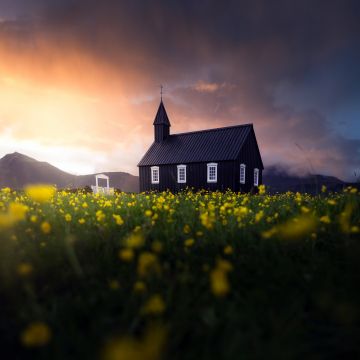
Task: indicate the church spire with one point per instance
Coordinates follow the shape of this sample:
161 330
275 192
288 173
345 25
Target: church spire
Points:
161 123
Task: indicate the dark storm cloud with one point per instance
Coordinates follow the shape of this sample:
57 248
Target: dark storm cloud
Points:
284 65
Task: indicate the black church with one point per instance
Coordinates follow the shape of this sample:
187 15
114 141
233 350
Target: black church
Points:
215 159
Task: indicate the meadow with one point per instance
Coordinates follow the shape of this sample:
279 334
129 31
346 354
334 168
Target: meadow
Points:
185 276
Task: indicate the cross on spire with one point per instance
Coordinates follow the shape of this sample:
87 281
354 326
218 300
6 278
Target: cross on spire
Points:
161 92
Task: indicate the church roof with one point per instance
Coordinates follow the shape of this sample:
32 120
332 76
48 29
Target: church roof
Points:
220 144
161 117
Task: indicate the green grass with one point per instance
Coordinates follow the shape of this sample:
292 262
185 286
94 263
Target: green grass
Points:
293 290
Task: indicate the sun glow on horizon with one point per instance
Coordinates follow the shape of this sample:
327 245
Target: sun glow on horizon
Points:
72 127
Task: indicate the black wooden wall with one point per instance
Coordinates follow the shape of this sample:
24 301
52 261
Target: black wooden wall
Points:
196 177
196 173
249 156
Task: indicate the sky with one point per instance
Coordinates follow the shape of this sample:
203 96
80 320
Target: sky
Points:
80 79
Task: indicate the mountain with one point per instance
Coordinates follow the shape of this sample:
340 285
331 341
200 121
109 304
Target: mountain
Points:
279 180
18 170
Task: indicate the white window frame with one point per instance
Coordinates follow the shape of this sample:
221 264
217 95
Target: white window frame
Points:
209 166
256 177
179 168
154 170
242 173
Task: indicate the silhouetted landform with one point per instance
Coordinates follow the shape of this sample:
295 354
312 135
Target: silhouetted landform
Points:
278 181
18 170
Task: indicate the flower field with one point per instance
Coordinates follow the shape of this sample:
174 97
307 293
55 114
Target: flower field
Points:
185 276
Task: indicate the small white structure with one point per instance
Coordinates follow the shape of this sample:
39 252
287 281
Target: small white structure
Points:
102 190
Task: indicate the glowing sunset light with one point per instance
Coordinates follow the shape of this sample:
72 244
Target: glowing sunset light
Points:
79 83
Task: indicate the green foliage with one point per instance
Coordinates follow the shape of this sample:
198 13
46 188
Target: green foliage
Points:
225 275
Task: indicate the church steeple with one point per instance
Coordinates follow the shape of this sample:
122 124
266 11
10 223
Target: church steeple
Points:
161 124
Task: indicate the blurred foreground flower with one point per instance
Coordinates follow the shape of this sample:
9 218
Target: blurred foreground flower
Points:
154 306
40 193
135 240
218 278
127 348
228 250
16 212
35 335
262 189
24 269
126 254
344 219
189 242
293 228
45 227
148 263
118 219
139 287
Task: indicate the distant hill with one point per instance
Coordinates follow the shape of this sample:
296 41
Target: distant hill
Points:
18 170
278 180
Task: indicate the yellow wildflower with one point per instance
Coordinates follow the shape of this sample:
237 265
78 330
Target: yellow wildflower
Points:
208 219
224 265
148 213
100 216
355 229
17 211
139 286
36 334
68 217
296 227
323 188
24 269
135 240
325 219
45 227
127 348
186 229
147 263
118 219
219 282
304 209
126 254
228 250
40 193
81 221
218 278
189 242
154 306
259 216
262 189
33 218
345 218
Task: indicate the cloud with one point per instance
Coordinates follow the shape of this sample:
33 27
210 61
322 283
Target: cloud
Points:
202 86
86 73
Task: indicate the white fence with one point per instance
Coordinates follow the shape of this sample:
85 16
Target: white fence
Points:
100 189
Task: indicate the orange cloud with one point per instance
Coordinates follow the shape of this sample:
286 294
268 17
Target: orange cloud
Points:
79 81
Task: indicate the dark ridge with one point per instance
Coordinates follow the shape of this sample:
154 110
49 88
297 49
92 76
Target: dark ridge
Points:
18 170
